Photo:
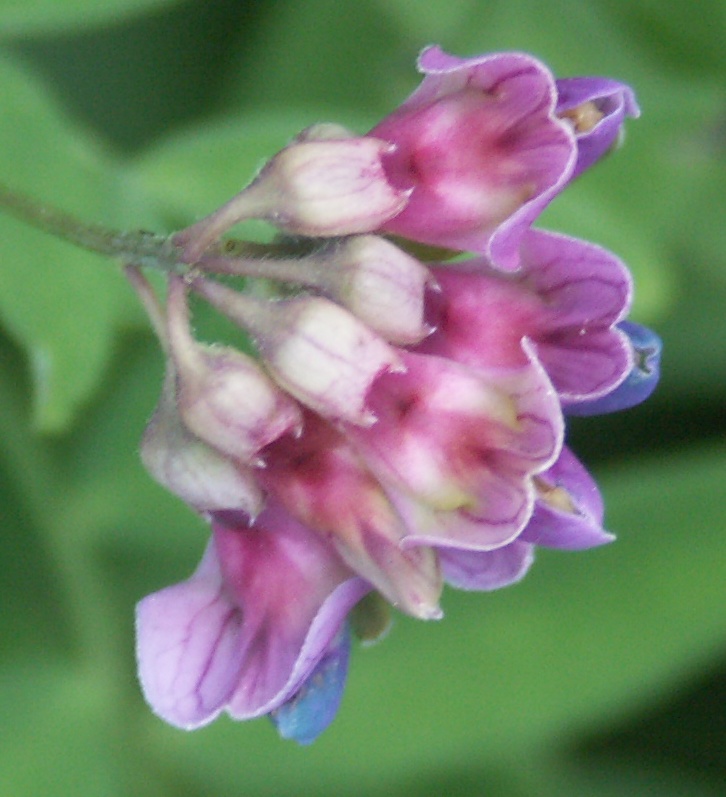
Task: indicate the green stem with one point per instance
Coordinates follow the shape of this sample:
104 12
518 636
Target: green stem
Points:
137 247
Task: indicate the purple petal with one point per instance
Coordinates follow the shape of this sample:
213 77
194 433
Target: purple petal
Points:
313 707
640 382
585 290
612 99
506 506
248 627
566 299
584 283
569 511
487 570
586 366
188 647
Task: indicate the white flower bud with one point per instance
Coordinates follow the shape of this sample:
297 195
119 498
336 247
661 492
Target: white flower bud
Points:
223 396
316 187
380 284
192 470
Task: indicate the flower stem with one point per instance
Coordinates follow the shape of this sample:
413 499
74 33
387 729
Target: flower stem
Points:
135 247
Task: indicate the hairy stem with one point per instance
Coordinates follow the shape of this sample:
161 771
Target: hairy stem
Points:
136 247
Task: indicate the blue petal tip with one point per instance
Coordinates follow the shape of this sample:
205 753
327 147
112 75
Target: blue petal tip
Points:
314 706
641 381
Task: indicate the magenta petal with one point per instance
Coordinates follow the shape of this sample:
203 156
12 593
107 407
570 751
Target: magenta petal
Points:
482 150
487 570
323 483
250 625
569 512
188 650
567 299
481 466
294 593
506 506
480 316
459 438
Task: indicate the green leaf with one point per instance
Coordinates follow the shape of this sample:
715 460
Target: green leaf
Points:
60 303
615 778
429 21
47 711
23 17
577 39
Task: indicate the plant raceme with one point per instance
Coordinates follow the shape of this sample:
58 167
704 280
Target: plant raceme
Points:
400 426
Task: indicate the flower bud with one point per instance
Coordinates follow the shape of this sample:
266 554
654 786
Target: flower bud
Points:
381 285
192 470
316 350
318 186
224 397
328 187
328 359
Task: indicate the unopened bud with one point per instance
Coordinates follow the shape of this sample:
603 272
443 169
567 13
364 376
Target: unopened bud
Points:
224 397
327 358
315 349
328 187
192 470
319 186
381 285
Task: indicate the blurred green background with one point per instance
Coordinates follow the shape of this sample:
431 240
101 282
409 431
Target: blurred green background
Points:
604 673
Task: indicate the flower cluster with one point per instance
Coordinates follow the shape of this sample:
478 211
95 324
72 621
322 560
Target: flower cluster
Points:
400 424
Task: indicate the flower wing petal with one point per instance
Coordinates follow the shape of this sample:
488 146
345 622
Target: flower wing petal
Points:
188 647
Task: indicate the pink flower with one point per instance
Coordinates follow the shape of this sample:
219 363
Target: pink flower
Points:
481 149
326 485
400 424
457 448
566 299
246 631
